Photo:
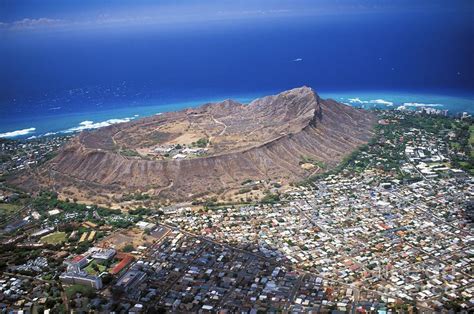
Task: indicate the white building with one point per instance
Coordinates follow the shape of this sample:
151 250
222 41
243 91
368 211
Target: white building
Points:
145 225
81 278
103 254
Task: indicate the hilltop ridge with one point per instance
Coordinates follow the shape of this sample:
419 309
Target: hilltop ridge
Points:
210 149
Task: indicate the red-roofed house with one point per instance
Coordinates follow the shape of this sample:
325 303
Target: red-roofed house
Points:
127 259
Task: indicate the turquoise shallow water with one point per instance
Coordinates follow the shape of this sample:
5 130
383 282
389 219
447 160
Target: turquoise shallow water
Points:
53 80
30 126
65 123
410 100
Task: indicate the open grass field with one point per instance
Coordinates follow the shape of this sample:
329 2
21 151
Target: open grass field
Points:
6 209
54 238
122 238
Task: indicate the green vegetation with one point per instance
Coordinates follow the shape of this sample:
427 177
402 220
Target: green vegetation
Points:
430 123
94 268
82 247
83 290
104 212
120 223
128 248
6 209
455 146
471 135
202 142
4 157
135 196
54 238
462 143
310 160
141 211
244 190
271 198
129 153
348 161
47 200
388 144
48 157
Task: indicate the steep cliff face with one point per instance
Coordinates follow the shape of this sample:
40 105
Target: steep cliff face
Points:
266 139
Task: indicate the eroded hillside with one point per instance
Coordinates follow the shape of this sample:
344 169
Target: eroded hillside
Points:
205 151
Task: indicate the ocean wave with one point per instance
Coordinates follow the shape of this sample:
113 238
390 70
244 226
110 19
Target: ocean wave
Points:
89 125
17 133
42 135
49 133
417 104
379 101
357 101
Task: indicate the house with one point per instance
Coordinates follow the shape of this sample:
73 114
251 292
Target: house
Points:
54 212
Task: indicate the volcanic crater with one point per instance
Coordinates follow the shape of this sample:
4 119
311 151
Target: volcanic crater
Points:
207 150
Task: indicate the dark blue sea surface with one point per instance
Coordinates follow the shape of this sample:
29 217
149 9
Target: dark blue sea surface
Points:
51 81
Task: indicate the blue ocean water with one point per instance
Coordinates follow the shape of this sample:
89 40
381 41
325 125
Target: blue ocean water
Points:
59 121
51 81
408 100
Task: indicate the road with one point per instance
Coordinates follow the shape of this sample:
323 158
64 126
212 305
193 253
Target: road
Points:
221 123
285 264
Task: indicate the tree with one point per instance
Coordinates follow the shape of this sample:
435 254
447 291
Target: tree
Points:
106 279
128 248
202 142
95 267
271 198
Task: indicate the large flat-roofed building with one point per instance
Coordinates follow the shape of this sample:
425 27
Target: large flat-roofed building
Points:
79 261
131 279
103 254
81 278
145 225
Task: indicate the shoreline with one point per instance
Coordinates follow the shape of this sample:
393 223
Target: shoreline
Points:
73 122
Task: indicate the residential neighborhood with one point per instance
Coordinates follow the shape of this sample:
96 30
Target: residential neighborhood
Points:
388 231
